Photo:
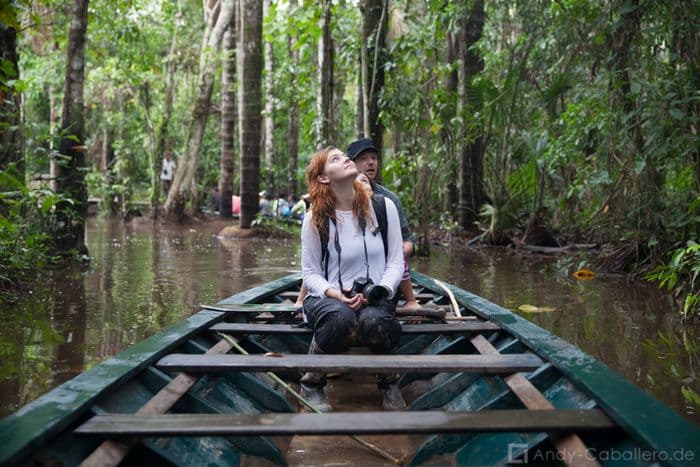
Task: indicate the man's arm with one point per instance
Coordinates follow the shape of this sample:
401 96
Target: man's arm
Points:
406 233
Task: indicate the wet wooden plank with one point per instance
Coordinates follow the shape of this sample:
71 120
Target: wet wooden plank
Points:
570 446
112 452
253 328
435 311
551 421
419 296
499 364
253 307
432 312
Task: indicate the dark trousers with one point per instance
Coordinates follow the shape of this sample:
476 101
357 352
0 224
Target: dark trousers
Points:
336 325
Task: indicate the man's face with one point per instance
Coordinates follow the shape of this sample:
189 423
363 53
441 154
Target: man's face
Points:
367 163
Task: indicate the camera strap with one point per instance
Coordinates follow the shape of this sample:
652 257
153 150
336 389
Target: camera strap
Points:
338 249
379 206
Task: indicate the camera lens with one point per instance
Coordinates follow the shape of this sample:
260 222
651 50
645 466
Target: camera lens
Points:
375 293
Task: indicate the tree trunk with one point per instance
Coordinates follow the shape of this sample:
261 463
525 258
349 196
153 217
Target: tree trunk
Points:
228 119
360 113
621 43
471 195
293 135
107 160
268 120
54 122
164 143
325 69
686 45
449 136
375 21
249 59
70 171
184 187
11 139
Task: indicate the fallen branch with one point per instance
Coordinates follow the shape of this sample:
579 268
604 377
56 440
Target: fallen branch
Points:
560 249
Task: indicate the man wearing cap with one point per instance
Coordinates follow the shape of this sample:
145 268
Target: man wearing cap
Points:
364 154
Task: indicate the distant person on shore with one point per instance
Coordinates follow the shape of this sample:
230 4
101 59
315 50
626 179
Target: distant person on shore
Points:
300 207
266 208
363 153
215 199
167 172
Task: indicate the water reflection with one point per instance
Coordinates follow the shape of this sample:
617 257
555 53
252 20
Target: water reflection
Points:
42 339
68 321
144 277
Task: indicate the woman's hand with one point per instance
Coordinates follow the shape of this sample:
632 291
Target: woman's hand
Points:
355 303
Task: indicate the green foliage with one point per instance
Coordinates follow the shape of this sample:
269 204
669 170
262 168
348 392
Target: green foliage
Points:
680 277
610 153
677 351
26 223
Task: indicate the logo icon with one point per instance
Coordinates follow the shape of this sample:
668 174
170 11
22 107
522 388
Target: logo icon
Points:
517 453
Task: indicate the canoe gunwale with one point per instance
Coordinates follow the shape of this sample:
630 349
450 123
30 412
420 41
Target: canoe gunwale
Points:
657 426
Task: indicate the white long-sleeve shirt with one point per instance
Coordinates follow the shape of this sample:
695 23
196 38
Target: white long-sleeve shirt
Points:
352 257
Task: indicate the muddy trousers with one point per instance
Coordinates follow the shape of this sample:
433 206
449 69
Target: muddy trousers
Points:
336 325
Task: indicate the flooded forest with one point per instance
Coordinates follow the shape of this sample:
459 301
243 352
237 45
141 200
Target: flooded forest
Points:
153 156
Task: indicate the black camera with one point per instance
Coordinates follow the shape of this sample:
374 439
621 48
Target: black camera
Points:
374 294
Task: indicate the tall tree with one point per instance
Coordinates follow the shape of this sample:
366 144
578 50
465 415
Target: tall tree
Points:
268 120
228 117
325 69
70 170
184 187
471 194
164 140
249 59
448 136
628 124
293 131
10 116
374 29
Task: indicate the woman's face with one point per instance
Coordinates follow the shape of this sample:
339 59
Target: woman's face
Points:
338 167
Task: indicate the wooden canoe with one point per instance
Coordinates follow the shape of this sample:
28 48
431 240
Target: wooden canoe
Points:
484 386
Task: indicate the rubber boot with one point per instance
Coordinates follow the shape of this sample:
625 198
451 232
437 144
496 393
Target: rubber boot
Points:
312 384
392 399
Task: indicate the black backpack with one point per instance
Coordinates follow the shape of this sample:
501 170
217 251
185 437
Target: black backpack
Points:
379 205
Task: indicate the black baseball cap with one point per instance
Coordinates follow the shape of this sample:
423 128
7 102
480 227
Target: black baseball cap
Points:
359 146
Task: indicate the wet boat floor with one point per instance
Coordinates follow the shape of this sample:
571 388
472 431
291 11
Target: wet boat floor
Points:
349 393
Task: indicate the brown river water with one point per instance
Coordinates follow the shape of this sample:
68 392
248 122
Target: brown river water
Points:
141 279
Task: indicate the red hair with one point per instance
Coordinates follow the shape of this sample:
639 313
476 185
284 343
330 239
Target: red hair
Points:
323 200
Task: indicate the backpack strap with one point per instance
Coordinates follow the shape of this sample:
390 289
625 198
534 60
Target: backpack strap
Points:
379 205
323 236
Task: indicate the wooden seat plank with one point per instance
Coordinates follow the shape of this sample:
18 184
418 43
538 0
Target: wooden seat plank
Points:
500 364
254 328
571 446
338 423
111 453
437 311
254 308
418 295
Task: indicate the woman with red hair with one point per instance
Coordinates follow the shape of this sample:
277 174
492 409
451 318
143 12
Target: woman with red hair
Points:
352 282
